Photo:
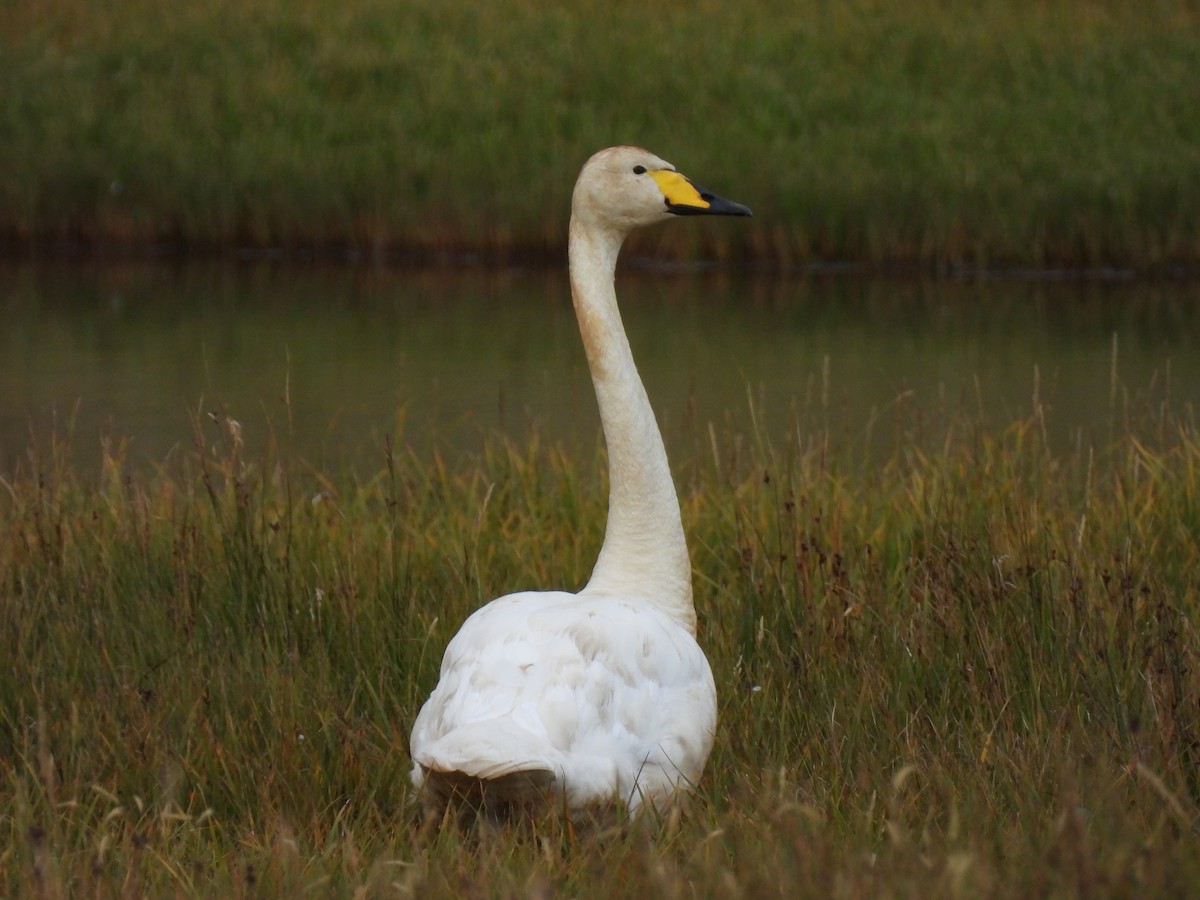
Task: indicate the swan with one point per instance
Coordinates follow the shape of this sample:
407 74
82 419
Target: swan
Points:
602 698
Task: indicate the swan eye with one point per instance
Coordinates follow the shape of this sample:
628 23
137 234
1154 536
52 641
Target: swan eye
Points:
639 170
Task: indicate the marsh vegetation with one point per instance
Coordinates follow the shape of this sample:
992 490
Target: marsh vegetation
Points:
937 134
950 596
969 669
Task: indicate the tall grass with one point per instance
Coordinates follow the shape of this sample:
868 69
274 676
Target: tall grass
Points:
969 669
941 133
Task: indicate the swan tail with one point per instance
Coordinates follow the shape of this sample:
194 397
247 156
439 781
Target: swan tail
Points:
495 798
490 767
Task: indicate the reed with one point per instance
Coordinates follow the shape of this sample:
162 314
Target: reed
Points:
967 668
939 134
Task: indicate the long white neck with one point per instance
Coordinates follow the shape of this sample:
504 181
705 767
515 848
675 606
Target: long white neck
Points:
644 556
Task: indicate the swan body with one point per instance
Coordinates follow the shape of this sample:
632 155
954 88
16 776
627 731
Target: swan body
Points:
603 696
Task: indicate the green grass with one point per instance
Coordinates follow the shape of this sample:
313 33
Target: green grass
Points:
969 668
938 133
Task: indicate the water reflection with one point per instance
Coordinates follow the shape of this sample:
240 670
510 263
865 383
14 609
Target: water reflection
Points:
333 361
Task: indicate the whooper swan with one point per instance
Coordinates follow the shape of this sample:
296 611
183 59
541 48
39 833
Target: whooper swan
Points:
601 697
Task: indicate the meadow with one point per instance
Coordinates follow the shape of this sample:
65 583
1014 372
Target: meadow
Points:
955 658
939 134
968 668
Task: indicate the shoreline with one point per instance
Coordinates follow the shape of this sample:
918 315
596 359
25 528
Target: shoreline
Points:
552 257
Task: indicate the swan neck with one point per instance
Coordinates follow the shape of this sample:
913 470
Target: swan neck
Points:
644 556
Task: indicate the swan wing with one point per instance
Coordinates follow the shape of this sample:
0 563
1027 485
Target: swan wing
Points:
609 696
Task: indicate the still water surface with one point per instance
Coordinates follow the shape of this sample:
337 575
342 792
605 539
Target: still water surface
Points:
333 361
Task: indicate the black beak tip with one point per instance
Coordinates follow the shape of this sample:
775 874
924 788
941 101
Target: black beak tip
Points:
717 206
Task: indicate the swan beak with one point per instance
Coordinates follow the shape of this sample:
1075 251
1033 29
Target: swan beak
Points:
683 198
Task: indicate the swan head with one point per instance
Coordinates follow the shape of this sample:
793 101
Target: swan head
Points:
622 188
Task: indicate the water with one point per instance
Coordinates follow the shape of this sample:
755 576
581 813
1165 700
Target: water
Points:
331 363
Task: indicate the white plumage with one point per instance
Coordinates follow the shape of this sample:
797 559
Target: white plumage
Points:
603 696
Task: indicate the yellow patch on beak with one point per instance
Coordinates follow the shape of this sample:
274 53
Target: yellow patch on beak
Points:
677 189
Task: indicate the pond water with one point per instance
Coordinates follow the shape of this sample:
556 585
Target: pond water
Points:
330 363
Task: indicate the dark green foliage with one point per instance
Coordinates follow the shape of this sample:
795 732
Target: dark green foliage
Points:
935 133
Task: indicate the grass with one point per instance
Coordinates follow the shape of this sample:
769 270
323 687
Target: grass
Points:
939 133
969 668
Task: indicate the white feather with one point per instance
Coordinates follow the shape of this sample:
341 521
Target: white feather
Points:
616 700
